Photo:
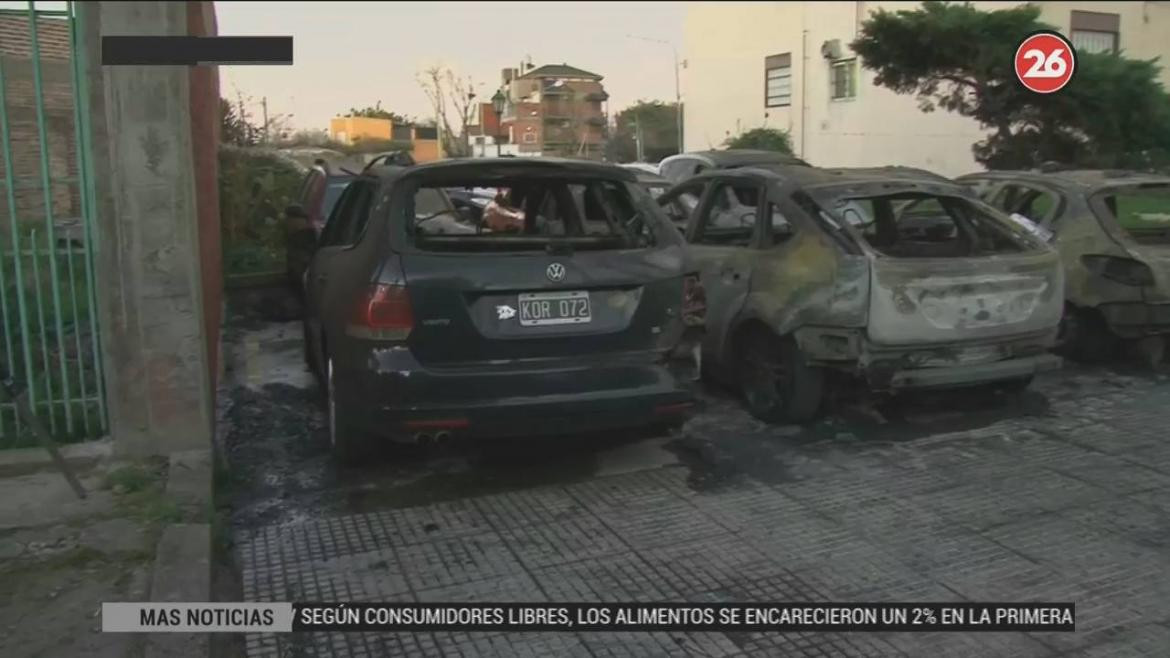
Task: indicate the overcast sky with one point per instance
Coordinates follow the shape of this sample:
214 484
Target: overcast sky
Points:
355 54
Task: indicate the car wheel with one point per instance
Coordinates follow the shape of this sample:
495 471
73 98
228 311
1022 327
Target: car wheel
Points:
777 383
346 444
1012 386
307 347
1084 336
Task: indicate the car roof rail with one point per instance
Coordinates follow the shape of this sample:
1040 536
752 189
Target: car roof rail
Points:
396 158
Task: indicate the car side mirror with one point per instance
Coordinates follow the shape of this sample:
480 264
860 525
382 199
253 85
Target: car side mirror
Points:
295 211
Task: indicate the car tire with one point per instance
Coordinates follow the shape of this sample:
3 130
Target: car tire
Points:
1013 386
307 348
347 444
777 383
1084 336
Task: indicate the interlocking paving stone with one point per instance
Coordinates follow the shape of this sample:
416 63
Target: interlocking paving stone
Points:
663 522
625 577
570 540
529 507
1071 506
457 560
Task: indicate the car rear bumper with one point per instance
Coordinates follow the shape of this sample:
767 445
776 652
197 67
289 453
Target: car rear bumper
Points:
400 398
971 374
1136 319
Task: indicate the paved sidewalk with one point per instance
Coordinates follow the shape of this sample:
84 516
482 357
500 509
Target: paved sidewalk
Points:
1069 503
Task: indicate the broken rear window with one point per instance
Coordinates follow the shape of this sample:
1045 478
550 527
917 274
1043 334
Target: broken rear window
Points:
531 214
926 225
1142 212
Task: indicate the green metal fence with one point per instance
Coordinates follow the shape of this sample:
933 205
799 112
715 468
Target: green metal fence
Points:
47 300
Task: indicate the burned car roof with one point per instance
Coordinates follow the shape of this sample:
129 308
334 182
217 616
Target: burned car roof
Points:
1088 180
744 157
869 178
647 178
507 167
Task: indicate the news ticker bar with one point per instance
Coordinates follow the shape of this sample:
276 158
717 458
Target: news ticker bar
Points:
195 51
718 617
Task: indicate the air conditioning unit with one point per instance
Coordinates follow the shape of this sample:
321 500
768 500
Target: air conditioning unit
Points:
831 49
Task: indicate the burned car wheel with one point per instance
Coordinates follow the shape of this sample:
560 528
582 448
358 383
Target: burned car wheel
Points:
346 444
1084 336
777 383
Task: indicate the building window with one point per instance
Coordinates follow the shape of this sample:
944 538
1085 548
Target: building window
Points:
843 79
1092 41
1095 32
778 80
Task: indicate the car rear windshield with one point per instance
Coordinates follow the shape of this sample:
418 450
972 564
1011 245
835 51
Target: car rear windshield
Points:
1142 212
532 214
927 225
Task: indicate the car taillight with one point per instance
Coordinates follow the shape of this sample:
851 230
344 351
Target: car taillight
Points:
382 313
1122 270
694 308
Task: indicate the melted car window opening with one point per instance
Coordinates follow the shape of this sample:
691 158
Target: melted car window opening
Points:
528 214
1142 212
925 225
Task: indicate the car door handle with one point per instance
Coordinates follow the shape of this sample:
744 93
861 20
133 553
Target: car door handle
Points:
729 273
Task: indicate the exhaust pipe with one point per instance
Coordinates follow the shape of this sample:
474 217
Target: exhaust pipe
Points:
422 438
442 436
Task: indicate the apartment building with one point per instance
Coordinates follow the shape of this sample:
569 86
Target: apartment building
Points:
554 110
788 65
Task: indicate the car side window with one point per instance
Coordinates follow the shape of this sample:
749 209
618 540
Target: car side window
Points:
348 220
781 230
728 217
681 204
1037 204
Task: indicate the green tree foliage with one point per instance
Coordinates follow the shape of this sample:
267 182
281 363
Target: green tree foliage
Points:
764 139
1114 112
234 129
255 186
659 130
377 112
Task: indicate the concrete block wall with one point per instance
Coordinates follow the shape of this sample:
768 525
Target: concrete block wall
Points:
157 343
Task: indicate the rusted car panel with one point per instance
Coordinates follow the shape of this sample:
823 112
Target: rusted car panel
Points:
915 302
1116 275
979 303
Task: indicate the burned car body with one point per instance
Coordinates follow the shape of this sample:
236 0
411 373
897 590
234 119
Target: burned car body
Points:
1112 229
682 166
809 270
564 323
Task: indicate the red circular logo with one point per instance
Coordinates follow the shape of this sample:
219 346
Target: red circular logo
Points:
1045 62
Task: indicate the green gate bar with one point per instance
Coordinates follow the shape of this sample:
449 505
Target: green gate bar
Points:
62 373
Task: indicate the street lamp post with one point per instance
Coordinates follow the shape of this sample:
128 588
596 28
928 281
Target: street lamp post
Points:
498 102
677 91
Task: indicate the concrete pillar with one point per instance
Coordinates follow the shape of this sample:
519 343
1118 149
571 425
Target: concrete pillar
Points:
155 352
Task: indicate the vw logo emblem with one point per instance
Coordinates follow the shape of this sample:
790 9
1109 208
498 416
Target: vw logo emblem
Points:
555 272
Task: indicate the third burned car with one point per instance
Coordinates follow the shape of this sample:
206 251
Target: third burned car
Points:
896 276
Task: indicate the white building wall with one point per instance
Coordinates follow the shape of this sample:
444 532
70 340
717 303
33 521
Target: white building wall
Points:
723 83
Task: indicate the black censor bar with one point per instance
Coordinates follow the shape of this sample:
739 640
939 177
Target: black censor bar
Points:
719 617
194 51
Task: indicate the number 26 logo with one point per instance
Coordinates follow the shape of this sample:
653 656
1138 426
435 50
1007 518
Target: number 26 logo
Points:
1045 62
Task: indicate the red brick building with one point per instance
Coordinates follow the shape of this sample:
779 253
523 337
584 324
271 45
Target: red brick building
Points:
555 110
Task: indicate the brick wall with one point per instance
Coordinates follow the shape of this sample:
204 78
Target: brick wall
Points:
57 99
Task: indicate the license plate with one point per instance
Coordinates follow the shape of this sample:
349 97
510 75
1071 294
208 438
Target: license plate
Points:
545 308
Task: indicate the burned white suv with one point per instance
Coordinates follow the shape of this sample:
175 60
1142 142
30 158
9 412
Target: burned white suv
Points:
897 276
